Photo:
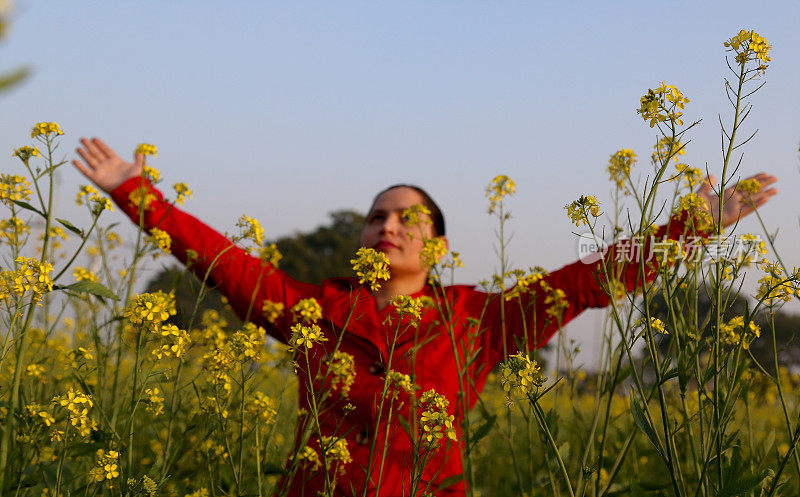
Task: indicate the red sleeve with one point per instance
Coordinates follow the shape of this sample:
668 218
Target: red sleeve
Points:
581 284
245 280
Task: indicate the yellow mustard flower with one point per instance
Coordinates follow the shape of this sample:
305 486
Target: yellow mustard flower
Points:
749 45
182 191
83 274
25 153
272 310
370 266
251 229
307 310
147 149
14 187
500 187
580 210
343 372
306 336
161 240
45 129
665 103
269 254
619 167
433 249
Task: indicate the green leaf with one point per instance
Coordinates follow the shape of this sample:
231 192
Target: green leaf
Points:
70 227
644 425
672 373
91 287
450 481
743 484
482 430
27 206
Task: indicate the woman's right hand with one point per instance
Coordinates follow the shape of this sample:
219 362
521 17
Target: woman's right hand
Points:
104 167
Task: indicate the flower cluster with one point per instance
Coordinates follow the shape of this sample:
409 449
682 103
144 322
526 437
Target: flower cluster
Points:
30 276
263 407
408 306
150 309
175 342
343 371
310 457
749 45
25 153
306 336
336 451
555 300
667 148
734 331
307 310
272 310
371 266
83 274
160 240
13 229
433 249
77 405
749 186
580 210
107 467
692 176
619 167
435 421
89 195
397 382
45 129
182 191
521 377
665 103
655 324
152 174
500 187
773 287
417 215
147 149
14 187
525 281
696 208
41 414
269 254
154 402
250 229
142 196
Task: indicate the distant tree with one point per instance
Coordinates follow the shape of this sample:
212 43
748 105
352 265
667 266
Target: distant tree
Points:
787 327
309 257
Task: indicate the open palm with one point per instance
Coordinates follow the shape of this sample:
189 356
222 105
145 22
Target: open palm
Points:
738 203
103 166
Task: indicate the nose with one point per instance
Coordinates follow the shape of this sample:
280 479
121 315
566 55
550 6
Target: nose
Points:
391 224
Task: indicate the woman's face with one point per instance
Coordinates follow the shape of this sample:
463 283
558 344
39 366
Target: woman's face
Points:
387 231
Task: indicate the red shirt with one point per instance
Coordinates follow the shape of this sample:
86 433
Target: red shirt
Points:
246 282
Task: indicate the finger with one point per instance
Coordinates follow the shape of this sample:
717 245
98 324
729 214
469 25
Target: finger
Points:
92 149
103 147
138 160
85 170
91 160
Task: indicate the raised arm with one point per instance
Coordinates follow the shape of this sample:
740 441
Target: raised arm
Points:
245 280
582 282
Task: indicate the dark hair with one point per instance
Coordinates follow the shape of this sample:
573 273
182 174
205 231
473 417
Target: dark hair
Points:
436 214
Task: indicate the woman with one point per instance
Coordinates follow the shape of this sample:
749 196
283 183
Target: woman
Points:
483 327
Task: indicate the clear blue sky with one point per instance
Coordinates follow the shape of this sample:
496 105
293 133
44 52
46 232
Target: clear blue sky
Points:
288 110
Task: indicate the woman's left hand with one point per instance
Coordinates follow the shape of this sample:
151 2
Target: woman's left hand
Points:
738 203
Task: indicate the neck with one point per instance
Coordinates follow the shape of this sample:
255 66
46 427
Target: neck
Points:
398 285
